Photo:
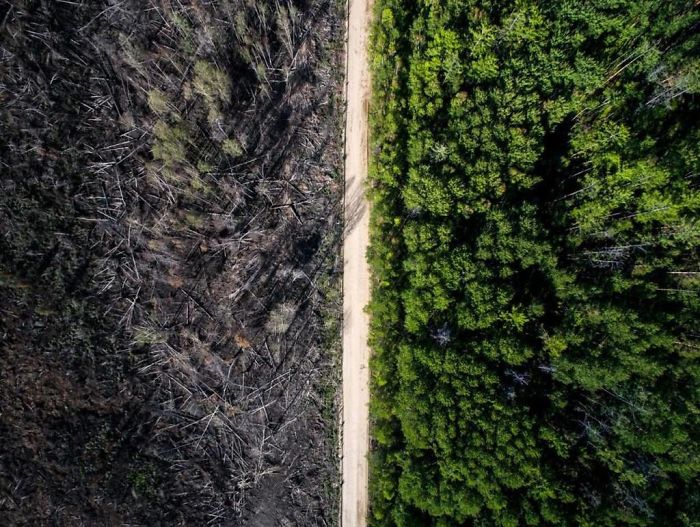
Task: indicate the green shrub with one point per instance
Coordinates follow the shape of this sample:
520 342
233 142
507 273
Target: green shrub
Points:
211 83
232 147
170 144
158 101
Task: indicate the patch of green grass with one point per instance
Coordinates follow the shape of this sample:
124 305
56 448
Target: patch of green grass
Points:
142 478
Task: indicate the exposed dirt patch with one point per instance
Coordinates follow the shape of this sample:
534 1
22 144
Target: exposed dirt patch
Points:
356 285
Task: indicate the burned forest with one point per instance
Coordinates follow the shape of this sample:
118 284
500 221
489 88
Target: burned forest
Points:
170 220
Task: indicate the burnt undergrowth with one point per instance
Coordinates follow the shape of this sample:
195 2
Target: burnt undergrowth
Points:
169 261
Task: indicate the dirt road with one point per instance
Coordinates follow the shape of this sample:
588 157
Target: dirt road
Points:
355 433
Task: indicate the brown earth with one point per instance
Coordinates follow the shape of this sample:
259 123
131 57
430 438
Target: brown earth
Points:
355 433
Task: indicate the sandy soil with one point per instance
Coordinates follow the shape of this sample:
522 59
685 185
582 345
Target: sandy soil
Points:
355 433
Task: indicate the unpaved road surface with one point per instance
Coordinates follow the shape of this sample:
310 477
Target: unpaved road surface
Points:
355 433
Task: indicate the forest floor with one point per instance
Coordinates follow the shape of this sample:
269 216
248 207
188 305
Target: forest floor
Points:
356 272
170 270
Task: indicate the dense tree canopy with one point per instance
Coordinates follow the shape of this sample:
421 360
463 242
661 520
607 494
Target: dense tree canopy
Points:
535 312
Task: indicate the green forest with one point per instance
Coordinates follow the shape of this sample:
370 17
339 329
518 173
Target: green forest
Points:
535 308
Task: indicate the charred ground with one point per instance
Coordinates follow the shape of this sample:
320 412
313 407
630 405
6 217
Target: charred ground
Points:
169 258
